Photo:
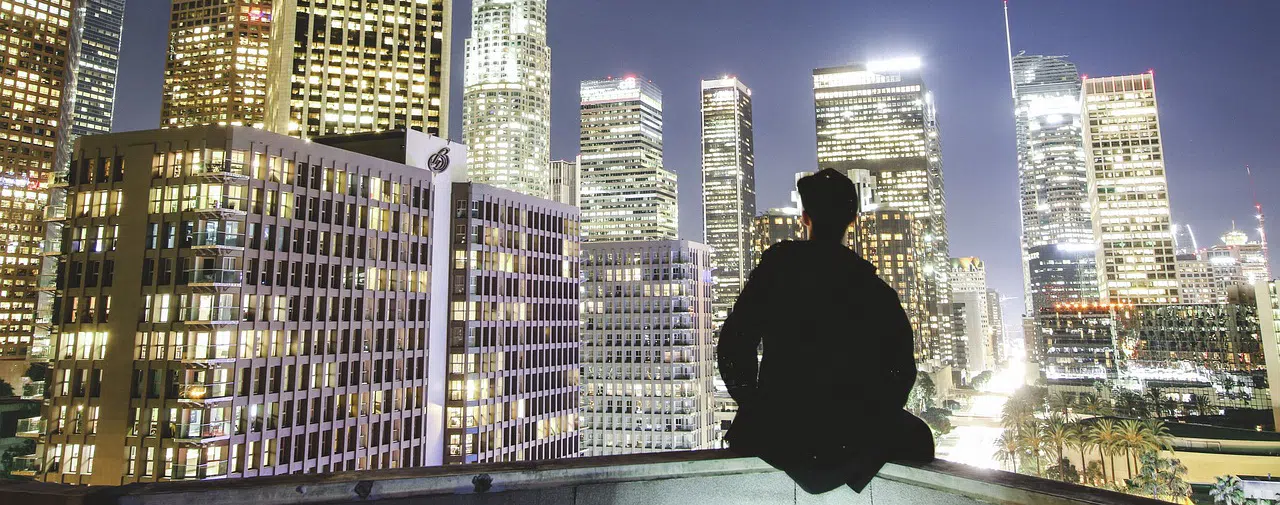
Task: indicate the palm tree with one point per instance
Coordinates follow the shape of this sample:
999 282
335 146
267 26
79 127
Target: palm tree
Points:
1156 401
1008 449
1062 402
1078 439
1133 437
1159 437
1202 405
1056 433
1228 490
1103 434
1032 442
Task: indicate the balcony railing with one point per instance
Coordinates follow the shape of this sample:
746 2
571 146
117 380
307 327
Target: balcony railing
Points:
33 390
25 466
217 240
225 206
212 315
201 432
220 171
55 212
51 247
47 282
200 393
31 427
215 277
205 353
191 471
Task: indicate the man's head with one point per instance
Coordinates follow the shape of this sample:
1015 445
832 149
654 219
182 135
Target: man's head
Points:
830 204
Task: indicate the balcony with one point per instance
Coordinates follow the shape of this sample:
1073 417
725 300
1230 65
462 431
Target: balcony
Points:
202 433
22 466
221 172
214 278
31 427
217 243
201 394
212 316
219 207
47 282
60 180
55 212
702 477
210 470
205 355
33 390
51 247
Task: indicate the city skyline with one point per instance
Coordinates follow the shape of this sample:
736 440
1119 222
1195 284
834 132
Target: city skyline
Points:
1208 141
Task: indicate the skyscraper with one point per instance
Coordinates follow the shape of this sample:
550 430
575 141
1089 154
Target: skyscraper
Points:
626 192
893 242
969 287
880 117
728 185
1238 261
564 187
995 320
773 226
1057 234
42 43
506 104
270 310
514 345
99 63
347 67
647 358
216 70
1129 197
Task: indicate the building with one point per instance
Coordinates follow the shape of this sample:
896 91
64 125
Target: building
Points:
389 70
773 226
1080 341
1198 280
880 117
1216 337
1129 197
99 62
513 328
995 321
728 185
1268 297
506 103
647 355
216 68
626 193
43 44
273 306
1057 232
564 181
1237 261
969 288
893 242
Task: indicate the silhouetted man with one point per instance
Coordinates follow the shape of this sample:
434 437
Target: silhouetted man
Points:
825 402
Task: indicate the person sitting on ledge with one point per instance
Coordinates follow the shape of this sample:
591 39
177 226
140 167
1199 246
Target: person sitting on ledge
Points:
824 402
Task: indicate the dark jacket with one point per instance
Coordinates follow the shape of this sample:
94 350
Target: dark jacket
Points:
836 367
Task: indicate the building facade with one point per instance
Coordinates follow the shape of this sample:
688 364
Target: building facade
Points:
506 104
995 321
216 69
728 185
1269 326
98 66
387 68
1239 261
1080 341
893 241
647 356
268 310
880 117
1057 232
564 183
626 192
969 287
1198 280
514 371
773 226
1129 196
36 93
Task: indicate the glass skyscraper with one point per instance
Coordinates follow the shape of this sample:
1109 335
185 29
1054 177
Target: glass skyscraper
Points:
1057 234
728 185
506 105
626 192
99 61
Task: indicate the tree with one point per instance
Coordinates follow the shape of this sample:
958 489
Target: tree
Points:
923 394
1078 439
1008 449
1160 478
1064 471
1156 401
36 372
938 420
1062 402
6 389
1203 406
1055 437
1033 443
1094 474
980 380
1227 490
1133 438
1092 405
1103 436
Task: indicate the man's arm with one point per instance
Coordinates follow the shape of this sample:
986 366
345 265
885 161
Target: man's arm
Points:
741 334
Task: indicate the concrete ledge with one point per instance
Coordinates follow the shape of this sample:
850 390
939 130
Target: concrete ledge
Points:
699 477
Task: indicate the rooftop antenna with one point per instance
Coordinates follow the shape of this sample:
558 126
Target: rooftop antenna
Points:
1008 45
1262 218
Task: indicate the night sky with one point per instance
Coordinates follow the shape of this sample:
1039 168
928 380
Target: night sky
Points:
1215 65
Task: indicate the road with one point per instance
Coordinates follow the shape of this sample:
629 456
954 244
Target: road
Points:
977 423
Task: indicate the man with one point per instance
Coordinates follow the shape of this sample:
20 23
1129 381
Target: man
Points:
825 402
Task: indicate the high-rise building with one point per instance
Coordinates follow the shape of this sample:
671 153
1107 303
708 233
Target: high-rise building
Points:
1129 196
513 328
564 181
99 63
1057 234
216 70
728 185
347 67
36 93
893 241
1268 297
506 104
1198 281
268 310
880 117
626 192
1079 341
969 287
1237 261
647 357
773 226
995 321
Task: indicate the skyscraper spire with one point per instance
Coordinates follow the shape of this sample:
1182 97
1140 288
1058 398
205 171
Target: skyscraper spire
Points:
1008 45
1262 218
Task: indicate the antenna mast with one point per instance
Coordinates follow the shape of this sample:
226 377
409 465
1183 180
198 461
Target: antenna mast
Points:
1262 218
1008 45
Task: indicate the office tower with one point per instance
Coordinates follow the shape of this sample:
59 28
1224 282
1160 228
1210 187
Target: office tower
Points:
513 328
893 242
99 62
216 70
42 43
1198 281
647 356
773 226
564 181
728 185
880 117
1214 336
387 70
626 193
1079 341
506 104
995 321
969 287
233 302
1129 198
1057 234
1237 261
1268 298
